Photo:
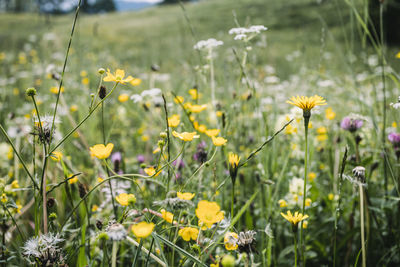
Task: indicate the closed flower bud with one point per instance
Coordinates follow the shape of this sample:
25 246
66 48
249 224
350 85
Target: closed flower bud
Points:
82 190
102 92
31 92
53 216
161 143
101 71
50 202
228 261
99 224
163 135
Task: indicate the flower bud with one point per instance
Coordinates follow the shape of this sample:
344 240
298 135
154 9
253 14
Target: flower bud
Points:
163 135
228 261
102 92
101 71
31 91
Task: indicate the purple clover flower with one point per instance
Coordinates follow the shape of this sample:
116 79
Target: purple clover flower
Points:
394 138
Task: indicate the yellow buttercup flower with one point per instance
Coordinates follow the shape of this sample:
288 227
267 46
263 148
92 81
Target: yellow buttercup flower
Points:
15 184
196 108
308 202
329 114
213 132
150 171
294 219
142 229
174 120
398 55
218 141
3 198
179 99
194 93
188 233
201 128
85 81
230 240
312 176
73 180
185 196
56 156
101 151
282 203
99 179
118 77
185 136
136 82
125 199
95 208
123 98
307 103
54 90
73 108
209 213
167 216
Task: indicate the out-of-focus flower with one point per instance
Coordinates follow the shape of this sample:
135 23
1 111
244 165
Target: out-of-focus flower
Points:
167 216
185 136
230 240
125 199
116 232
101 151
329 114
218 141
188 233
174 120
150 171
282 203
207 44
123 98
56 156
212 132
142 229
185 196
44 248
351 124
54 90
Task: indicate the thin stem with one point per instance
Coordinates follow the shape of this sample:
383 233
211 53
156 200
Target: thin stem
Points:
232 198
302 243
295 249
364 255
114 254
168 142
63 71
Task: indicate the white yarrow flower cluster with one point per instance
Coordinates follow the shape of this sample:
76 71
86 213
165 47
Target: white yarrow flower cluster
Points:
153 94
207 44
396 105
246 34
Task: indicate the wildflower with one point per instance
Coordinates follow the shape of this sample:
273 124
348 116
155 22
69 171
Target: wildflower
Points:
351 124
312 176
123 98
174 120
118 77
44 127
54 90
209 213
394 138
4 198
207 44
188 233
359 173
56 156
246 241
151 171
294 219
201 154
195 108
282 203
179 99
329 114
307 103
218 141
308 202
142 229
331 196
194 93
15 184
116 231
73 180
212 132
230 240
398 55
185 136
135 82
95 208
116 159
85 81
396 105
233 165
167 216
185 196
100 151
44 248
73 108
125 199
305 224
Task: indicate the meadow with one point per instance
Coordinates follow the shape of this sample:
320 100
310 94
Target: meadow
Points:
215 133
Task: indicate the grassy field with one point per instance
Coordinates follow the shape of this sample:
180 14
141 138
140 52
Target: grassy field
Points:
342 172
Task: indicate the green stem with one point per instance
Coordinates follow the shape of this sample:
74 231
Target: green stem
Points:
364 255
232 198
302 243
114 254
295 249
